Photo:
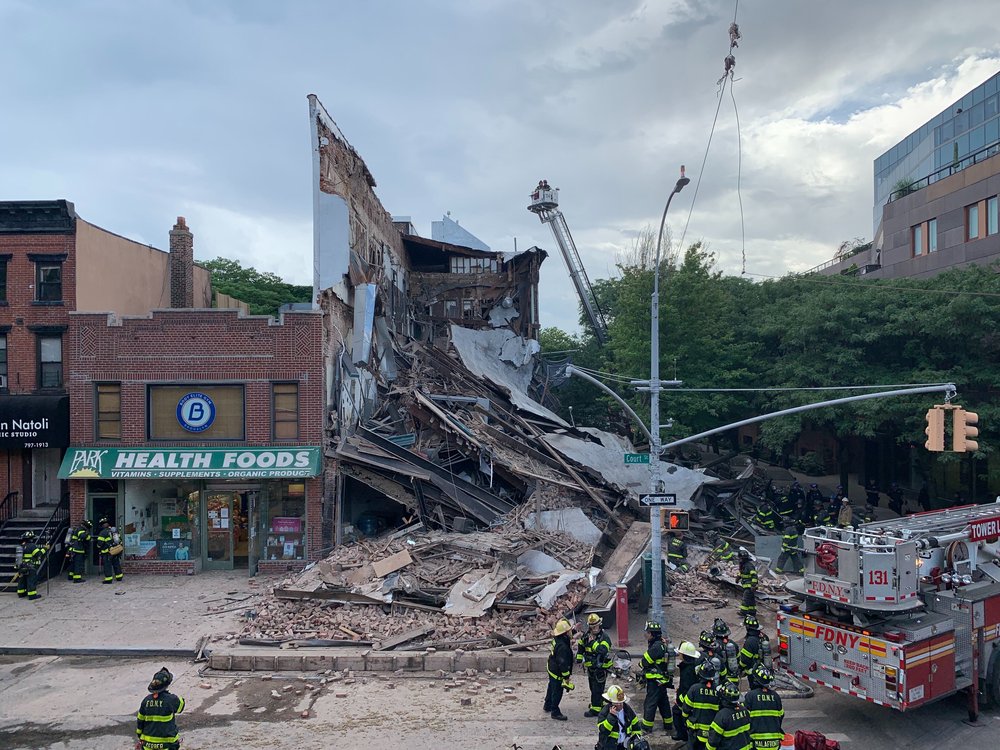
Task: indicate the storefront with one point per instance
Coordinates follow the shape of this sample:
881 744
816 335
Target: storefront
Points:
183 510
34 431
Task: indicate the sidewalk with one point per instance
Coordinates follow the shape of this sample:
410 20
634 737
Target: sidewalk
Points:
141 612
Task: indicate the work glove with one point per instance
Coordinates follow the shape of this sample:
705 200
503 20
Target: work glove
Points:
670 681
568 685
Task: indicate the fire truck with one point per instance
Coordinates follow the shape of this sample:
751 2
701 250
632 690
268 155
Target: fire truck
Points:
901 612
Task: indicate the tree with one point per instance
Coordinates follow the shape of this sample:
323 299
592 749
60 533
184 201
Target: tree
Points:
263 292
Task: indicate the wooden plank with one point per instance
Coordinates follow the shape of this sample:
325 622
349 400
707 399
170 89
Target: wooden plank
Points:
629 549
410 635
392 563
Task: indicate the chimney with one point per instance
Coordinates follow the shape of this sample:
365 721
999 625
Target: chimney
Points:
181 265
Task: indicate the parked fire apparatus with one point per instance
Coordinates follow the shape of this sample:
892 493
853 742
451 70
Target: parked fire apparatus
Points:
901 612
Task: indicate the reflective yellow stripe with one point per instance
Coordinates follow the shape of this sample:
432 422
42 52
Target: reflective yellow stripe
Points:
154 738
757 714
153 717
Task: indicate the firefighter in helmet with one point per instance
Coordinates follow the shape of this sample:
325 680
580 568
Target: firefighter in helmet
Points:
594 651
155 723
658 670
560 668
730 730
617 722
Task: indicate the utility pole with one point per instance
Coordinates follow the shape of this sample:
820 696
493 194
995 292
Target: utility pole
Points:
655 480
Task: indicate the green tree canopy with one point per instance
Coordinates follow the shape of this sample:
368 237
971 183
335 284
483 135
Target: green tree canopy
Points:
263 292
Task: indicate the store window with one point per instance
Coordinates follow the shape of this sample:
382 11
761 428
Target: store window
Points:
109 411
286 522
285 399
162 520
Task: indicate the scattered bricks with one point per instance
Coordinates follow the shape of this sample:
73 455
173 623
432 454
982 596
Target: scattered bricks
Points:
340 695
466 701
286 688
398 673
310 686
275 694
441 674
265 677
304 714
349 681
509 697
430 650
205 686
390 685
299 692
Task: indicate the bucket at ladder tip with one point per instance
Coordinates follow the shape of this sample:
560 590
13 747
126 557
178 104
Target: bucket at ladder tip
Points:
788 741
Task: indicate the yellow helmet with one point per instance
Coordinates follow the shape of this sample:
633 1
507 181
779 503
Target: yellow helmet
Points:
615 695
561 627
594 619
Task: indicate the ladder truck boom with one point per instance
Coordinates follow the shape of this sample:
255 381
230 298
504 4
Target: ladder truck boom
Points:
545 203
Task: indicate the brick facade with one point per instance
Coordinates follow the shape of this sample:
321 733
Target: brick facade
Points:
198 347
181 265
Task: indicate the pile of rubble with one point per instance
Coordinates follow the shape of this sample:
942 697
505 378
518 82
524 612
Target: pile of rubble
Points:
434 589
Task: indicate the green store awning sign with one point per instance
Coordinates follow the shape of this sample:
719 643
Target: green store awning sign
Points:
205 463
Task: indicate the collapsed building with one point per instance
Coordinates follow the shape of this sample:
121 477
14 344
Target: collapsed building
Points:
440 438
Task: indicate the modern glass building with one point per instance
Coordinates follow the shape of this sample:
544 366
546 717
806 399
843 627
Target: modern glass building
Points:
964 133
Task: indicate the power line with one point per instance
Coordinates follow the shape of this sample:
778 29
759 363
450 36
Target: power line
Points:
739 176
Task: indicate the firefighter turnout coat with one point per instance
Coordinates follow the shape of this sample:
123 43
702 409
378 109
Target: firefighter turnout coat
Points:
155 723
730 730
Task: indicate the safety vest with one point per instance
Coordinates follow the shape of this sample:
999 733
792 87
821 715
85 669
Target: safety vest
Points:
155 723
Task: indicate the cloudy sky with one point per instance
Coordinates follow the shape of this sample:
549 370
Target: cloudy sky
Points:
142 110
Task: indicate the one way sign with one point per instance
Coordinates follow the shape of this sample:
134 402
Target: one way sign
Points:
658 500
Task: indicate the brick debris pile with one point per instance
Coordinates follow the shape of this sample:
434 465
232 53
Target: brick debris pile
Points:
434 589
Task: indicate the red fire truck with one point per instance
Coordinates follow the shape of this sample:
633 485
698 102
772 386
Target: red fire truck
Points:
901 612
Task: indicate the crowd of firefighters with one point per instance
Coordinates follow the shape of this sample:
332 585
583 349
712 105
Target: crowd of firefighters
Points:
708 712
34 553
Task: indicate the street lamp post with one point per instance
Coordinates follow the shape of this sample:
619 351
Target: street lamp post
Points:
655 518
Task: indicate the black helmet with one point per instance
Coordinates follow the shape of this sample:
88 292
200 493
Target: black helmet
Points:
706 670
713 534
706 640
638 742
728 694
27 536
763 676
87 523
653 627
104 522
161 680
750 623
720 629
743 553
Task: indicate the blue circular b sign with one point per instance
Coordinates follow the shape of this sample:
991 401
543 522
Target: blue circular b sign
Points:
195 412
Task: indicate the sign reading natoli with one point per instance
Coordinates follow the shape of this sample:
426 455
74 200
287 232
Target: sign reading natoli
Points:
987 528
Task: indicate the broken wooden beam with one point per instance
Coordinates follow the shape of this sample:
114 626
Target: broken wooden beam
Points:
410 635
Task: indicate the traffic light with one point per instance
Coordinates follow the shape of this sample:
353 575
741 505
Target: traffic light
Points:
963 428
935 429
677 520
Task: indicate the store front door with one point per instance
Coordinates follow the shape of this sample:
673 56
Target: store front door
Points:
218 553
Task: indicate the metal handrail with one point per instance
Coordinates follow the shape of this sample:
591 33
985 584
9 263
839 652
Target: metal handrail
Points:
989 151
8 506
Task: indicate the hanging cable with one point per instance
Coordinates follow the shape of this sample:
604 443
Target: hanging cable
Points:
739 179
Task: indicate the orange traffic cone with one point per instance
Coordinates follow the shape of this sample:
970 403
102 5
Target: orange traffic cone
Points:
787 742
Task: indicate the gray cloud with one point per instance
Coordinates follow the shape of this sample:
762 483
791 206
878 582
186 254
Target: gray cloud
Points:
139 112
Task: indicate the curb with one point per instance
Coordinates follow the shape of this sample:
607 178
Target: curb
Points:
380 661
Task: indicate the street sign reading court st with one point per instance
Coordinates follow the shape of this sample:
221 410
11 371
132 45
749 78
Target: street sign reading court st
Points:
658 500
636 458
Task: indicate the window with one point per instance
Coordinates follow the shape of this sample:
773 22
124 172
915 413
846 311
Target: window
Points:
3 278
285 404
932 236
50 370
109 411
48 282
972 222
918 240
3 359
991 216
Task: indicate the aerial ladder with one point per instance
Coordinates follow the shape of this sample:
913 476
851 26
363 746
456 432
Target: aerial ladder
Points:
545 203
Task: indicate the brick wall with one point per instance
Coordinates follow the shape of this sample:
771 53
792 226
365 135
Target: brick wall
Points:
159 567
279 567
181 265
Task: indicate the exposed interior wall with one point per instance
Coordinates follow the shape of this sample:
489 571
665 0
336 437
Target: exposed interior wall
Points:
116 274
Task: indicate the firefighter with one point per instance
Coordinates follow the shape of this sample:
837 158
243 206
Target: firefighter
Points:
790 549
766 517
688 660
658 669
721 549
796 494
812 504
617 721
111 564
828 515
726 651
786 506
845 516
730 730
594 652
677 551
32 554
155 723
747 579
560 667
700 705
871 493
868 515
752 653
895 498
766 713
79 545
710 652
